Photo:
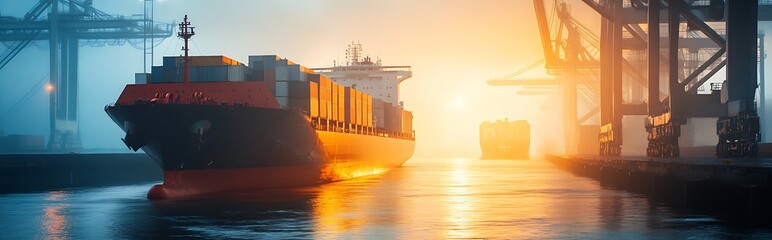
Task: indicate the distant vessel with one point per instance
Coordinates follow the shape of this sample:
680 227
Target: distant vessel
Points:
215 124
505 139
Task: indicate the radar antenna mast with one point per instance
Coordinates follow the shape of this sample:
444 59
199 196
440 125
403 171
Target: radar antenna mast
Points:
186 32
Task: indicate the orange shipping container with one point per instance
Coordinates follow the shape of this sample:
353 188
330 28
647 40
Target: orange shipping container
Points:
329 110
341 103
196 61
326 93
369 109
334 102
314 106
359 108
366 110
323 109
349 105
403 128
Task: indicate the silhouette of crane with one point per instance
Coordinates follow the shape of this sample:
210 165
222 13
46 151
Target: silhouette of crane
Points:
69 24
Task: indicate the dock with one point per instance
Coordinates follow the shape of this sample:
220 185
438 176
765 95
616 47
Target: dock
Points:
740 187
55 171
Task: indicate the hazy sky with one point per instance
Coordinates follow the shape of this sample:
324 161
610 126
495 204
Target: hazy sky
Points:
454 46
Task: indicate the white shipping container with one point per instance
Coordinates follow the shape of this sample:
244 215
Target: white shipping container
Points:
282 73
282 89
141 78
236 73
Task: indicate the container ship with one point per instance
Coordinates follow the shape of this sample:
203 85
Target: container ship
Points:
215 124
505 139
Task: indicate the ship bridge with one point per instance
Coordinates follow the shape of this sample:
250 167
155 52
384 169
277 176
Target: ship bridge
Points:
361 73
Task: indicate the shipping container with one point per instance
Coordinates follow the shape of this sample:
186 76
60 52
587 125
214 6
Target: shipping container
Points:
142 78
329 109
388 116
323 108
302 89
341 103
349 105
358 108
282 73
156 74
369 110
229 73
282 89
309 106
325 95
378 117
163 74
334 101
292 73
302 96
264 69
325 86
195 61
269 77
407 120
169 61
263 62
365 110
393 117
314 101
397 124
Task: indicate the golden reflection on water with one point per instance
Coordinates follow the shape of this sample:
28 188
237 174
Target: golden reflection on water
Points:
337 172
330 213
460 206
458 198
54 222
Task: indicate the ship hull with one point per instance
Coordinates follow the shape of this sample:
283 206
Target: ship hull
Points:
211 148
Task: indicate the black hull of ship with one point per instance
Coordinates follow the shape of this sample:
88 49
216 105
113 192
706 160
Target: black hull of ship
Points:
211 148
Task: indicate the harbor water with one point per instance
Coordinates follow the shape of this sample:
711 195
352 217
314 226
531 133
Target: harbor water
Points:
424 199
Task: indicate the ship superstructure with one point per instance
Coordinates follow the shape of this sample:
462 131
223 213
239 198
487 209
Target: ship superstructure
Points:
374 79
360 72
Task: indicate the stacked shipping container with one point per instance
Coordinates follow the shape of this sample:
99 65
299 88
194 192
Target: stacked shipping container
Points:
296 87
202 69
304 96
350 96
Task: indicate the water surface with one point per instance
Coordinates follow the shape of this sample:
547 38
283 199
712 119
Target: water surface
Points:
424 199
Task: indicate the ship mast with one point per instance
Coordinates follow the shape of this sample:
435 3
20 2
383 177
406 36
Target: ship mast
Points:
186 32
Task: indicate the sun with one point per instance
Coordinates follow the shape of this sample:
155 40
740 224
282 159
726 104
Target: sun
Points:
459 102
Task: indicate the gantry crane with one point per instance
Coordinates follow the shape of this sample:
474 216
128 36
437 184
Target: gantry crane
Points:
69 24
571 58
571 53
693 31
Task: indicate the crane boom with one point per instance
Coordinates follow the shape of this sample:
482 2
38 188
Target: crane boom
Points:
544 32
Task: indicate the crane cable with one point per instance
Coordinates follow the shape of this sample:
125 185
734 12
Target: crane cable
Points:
24 99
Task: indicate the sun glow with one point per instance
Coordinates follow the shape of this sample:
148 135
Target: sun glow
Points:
459 102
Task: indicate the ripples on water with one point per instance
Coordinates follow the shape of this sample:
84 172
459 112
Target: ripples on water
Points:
425 199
